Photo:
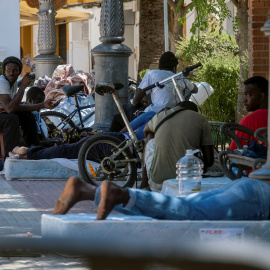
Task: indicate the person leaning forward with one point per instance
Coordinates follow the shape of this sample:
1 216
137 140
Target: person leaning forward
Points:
13 114
170 133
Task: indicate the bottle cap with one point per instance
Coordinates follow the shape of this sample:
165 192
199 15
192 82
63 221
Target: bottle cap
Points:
190 152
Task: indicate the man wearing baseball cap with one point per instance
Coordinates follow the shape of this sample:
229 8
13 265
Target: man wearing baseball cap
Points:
13 114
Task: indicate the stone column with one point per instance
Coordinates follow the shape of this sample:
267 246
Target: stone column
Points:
111 61
264 172
46 61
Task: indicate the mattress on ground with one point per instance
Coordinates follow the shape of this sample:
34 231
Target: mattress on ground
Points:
45 169
171 186
82 226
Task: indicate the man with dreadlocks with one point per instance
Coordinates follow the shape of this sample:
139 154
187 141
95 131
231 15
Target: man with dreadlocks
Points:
160 97
13 114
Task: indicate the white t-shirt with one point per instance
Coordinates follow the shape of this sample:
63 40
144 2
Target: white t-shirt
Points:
6 90
166 96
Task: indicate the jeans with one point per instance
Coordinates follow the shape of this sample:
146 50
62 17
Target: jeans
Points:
243 199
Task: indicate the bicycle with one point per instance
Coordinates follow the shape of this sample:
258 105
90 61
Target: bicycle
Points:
117 160
132 87
62 120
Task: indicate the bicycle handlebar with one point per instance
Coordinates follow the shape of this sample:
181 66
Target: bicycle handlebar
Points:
190 68
151 86
185 70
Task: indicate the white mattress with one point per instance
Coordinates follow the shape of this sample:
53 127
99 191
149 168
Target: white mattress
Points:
83 226
44 169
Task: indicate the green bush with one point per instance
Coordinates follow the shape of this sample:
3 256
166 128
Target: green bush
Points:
142 73
219 57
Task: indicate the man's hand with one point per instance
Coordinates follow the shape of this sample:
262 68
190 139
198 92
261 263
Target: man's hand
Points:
26 80
51 103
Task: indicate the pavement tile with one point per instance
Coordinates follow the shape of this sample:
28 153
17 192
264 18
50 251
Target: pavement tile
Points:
21 206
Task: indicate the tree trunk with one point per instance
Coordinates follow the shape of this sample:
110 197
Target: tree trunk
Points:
175 30
242 41
152 43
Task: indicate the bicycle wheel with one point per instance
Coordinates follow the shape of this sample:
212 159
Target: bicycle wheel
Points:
96 166
60 120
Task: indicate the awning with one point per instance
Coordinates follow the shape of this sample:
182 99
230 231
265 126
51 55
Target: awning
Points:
28 16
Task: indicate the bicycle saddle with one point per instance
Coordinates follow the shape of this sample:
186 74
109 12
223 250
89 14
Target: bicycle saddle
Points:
107 88
71 90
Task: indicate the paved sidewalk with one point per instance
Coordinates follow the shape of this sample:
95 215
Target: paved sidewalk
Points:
23 202
21 205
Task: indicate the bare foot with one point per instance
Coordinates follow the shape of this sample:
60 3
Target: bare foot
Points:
15 150
16 156
74 191
111 195
20 150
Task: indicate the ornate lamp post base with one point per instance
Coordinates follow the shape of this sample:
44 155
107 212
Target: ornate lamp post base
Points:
46 64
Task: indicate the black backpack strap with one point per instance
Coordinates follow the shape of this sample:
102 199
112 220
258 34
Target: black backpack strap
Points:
166 118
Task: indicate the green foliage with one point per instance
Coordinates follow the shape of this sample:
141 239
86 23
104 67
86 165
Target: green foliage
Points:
142 73
219 57
209 13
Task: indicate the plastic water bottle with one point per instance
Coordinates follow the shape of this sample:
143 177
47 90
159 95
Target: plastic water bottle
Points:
189 170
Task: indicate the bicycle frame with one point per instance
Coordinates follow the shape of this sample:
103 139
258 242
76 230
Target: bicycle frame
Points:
118 163
133 137
78 109
104 87
173 79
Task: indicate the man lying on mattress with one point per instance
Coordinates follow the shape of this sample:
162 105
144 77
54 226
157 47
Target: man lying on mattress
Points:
71 151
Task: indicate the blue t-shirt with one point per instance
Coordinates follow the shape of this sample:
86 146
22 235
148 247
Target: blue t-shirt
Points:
139 123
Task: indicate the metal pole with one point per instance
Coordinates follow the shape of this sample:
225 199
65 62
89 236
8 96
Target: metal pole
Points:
111 61
120 108
166 31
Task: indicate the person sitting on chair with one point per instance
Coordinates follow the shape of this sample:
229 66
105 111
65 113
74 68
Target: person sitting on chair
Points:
160 97
256 104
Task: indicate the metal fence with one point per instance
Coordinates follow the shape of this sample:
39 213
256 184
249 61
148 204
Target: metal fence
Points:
221 142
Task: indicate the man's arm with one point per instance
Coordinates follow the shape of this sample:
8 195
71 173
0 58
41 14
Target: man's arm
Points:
11 105
47 104
6 101
195 89
208 156
148 133
138 98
